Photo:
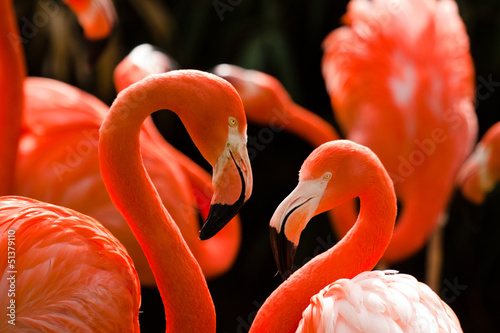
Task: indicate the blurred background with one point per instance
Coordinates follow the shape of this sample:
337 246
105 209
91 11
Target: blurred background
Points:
282 38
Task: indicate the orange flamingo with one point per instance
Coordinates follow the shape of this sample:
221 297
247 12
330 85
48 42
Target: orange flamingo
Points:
481 171
221 139
61 135
371 301
401 81
79 257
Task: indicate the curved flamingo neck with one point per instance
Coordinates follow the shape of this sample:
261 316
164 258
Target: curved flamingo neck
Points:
358 251
187 300
12 74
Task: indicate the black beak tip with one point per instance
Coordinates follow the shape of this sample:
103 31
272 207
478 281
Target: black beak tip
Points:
218 216
284 252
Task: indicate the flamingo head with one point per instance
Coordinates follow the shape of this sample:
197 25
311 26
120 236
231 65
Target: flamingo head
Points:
221 138
333 173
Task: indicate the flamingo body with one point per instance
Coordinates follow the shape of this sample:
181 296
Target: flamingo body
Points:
333 173
378 301
71 274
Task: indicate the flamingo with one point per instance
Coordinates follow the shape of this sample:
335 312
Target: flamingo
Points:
213 115
61 135
481 171
334 291
401 82
83 258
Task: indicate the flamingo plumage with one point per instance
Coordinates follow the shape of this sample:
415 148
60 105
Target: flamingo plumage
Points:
356 301
401 82
47 243
481 171
70 273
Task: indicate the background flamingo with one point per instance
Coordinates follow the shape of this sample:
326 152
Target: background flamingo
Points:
481 171
334 172
412 105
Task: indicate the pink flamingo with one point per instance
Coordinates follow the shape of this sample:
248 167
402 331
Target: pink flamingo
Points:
356 301
401 81
78 257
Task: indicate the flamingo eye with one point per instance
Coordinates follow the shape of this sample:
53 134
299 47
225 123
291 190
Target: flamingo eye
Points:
327 175
233 122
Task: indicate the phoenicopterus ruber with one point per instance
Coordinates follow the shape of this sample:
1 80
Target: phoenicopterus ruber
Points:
61 135
481 171
214 117
371 301
401 81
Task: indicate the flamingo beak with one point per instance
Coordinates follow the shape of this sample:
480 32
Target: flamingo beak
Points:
232 181
290 218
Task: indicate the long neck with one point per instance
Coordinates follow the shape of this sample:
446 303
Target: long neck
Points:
358 251
187 300
309 126
12 74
